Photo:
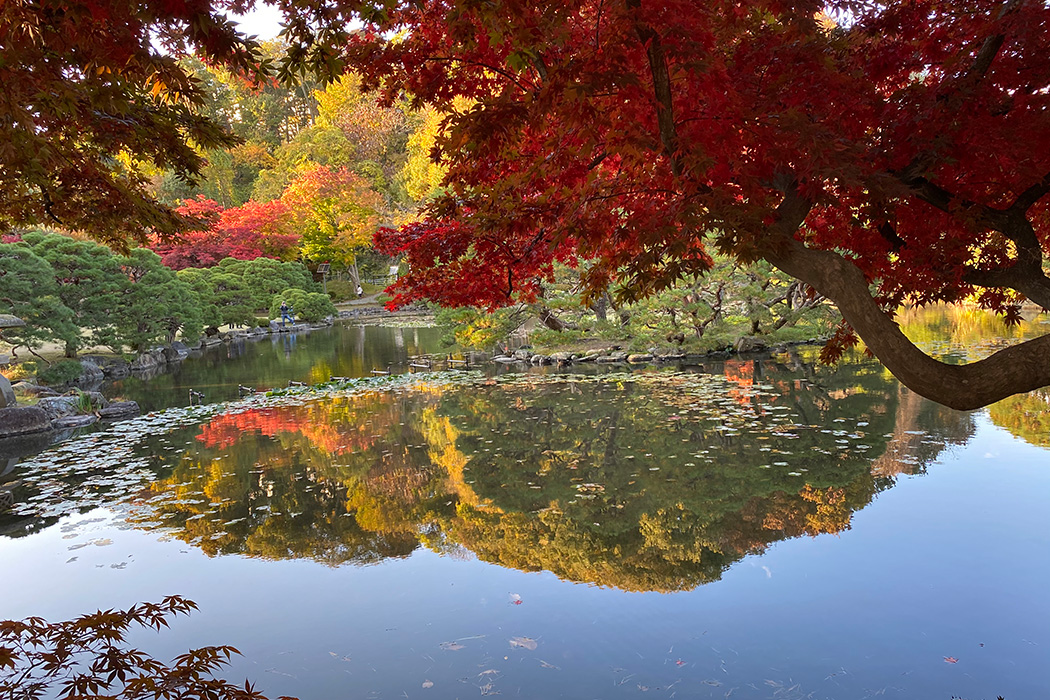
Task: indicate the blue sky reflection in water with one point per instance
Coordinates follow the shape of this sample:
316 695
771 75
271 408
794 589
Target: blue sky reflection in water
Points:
764 529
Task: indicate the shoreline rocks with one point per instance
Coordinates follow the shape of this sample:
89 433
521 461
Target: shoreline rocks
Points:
7 393
119 410
614 355
17 421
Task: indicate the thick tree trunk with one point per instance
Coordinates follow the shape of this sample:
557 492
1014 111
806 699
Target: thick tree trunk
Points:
548 319
601 307
1014 370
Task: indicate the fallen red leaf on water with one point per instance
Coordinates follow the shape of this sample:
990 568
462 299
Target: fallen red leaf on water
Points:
679 663
951 660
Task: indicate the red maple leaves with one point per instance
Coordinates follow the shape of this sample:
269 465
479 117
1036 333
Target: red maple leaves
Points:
253 230
637 135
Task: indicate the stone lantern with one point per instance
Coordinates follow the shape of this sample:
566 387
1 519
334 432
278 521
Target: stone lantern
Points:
7 396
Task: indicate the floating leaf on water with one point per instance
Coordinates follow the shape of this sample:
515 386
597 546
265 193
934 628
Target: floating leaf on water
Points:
515 599
524 642
951 660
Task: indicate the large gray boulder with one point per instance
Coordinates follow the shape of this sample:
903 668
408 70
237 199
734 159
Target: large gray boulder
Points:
90 373
118 410
176 352
74 421
97 400
115 367
23 420
749 343
147 361
7 394
617 356
59 406
28 389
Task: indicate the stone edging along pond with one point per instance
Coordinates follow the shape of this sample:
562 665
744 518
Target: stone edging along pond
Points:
57 412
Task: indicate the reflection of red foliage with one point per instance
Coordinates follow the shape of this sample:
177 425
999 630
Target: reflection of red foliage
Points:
332 428
741 373
226 430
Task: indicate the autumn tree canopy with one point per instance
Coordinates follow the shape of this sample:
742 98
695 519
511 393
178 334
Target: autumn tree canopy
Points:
880 153
92 89
883 153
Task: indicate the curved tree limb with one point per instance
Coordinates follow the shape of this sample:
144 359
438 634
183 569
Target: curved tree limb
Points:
1016 369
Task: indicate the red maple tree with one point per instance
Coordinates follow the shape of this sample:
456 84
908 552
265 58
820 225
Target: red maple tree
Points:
253 230
883 153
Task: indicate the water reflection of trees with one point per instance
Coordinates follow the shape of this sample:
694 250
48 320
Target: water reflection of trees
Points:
1026 415
659 482
971 333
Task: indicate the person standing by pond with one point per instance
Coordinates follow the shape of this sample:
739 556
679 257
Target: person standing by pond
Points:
287 313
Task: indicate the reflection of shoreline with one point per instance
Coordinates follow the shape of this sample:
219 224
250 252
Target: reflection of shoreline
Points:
1026 416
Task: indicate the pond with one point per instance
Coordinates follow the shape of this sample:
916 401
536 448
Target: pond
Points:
764 528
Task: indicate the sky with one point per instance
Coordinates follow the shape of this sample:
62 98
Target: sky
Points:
263 22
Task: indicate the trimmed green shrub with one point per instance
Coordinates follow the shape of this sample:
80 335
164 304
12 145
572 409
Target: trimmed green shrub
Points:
63 372
308 306
341 290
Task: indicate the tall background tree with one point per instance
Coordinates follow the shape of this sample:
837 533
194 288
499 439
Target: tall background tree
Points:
336 212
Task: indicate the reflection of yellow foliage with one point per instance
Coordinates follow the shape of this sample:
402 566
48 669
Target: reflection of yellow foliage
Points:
356 478
832 514
378 513
663 531
320 372
1027 416
441 441
963 327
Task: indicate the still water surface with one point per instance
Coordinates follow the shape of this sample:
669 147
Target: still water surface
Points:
755 529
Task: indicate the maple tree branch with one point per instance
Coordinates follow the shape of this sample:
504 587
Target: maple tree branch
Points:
1033 194
478 64
1016 369
598 24
991 46
1025 274
661 87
